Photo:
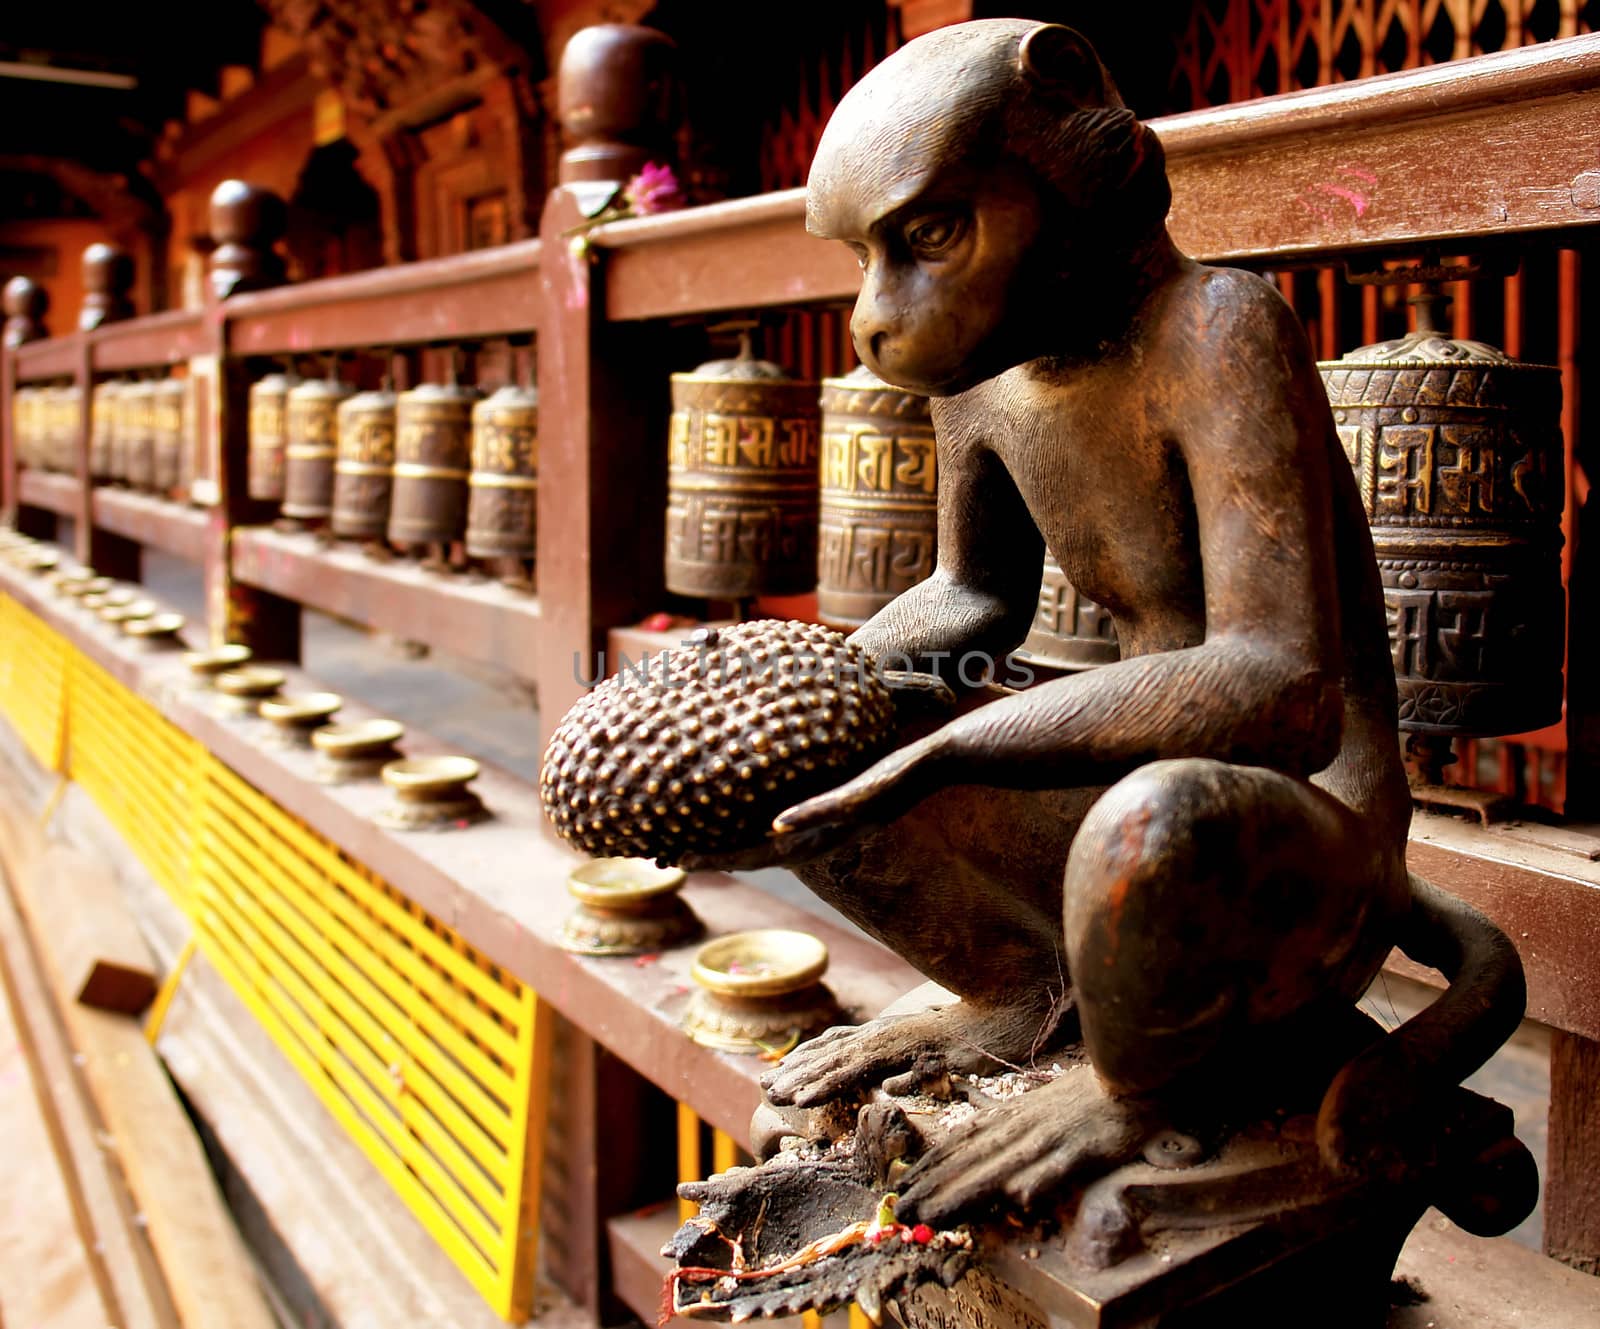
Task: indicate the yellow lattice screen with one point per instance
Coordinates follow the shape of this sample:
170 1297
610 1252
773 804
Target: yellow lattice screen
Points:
141 770
33 682
433 1060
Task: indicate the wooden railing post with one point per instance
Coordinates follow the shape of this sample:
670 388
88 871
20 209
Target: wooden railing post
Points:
246 223
25 303
107 279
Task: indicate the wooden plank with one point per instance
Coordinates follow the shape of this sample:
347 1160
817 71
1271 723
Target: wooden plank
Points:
100 953
55 357
50 490
1498 145
1572 1169
489 293
1545 898
1488 1283
167 338
47 1265
212 1282
155 523
477 620
137 1292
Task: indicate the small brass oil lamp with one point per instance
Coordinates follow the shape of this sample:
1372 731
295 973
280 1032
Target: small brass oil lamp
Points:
355 750
158 632
759 992
430 793
627 906
295 716
242 690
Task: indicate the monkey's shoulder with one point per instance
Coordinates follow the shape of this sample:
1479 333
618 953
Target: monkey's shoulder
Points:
1209 303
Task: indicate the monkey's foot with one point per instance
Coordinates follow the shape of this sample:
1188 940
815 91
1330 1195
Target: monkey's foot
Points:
1021 1150
904 1053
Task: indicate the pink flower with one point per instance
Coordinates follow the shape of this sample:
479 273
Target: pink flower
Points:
655 189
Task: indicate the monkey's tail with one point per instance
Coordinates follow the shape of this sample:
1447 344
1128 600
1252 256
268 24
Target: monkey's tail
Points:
1382 1092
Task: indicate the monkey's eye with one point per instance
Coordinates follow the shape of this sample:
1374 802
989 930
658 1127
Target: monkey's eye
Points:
932 237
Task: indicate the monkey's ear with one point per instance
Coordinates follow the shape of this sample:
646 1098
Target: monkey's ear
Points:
1060 63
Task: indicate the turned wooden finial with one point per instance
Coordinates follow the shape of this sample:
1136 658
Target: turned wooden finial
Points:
246 221
107 279
617 99
25 305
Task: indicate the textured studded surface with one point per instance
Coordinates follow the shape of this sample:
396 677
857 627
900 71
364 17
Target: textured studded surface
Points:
697 749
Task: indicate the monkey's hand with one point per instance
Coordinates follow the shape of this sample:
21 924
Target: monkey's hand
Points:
1021 1150
878 795
904 1053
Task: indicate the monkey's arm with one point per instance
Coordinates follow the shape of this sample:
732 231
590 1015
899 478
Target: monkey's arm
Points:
985 589
1264 686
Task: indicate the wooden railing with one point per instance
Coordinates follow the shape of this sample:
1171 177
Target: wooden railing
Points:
1501 150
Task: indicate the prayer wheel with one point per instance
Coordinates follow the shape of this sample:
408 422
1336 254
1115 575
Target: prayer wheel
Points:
102 426
27 419
877 531
1070 631
167 435
311 447
432 454
504 485
121 431
1458 453
139 419
269 411
363 472
62 438
741 481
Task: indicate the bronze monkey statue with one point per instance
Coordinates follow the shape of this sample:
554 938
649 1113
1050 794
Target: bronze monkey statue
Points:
1193 858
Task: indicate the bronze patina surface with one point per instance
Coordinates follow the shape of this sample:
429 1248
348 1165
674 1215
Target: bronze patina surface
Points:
1457 449
433 451
363 471
269 421
877 527
312 444
741 481
1185 865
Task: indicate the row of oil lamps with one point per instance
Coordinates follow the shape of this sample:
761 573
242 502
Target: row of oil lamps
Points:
138 432
757 992
421 469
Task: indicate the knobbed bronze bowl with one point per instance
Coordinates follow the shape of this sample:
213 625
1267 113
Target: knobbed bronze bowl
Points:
698 749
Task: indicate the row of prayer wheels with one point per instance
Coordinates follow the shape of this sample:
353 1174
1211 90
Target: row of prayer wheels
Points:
138 432
423 468
777 488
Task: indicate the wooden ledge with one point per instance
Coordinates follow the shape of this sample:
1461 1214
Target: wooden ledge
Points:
500 885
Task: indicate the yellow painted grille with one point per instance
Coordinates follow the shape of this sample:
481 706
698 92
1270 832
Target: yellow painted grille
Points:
33 682
142 771
433 1060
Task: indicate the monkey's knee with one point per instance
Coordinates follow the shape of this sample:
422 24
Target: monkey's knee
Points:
1146 919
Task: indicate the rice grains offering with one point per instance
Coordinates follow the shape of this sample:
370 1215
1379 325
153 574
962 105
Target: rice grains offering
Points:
697 749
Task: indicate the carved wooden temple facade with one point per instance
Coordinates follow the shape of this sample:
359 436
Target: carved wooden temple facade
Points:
433 209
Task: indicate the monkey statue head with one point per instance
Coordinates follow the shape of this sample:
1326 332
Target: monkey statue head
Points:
993 186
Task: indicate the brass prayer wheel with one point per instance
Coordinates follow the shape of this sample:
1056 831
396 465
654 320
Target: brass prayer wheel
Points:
27 420
432 453
138 443
363 471
311 446
168 437
878 520
120 431
102 424
62 435
741 481
1070 631
269 421
1457 449
503 489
